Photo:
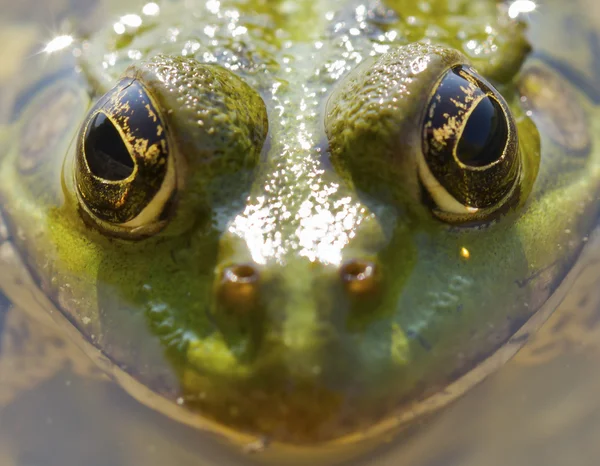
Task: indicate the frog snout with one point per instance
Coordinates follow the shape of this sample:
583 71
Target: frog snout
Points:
294 315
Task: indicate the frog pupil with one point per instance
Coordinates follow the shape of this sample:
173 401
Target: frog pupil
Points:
106 153
484 136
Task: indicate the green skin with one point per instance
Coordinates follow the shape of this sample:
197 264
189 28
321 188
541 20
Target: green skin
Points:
302 357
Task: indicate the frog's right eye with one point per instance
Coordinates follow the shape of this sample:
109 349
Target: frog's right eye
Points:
419 128
124 168
470 158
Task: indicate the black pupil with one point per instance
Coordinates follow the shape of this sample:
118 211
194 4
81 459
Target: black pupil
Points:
484 136
105 152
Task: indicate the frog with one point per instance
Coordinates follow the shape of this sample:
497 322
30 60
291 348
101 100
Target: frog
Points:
297 226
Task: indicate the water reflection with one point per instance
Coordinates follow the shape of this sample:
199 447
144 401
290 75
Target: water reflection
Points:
521 6
59 43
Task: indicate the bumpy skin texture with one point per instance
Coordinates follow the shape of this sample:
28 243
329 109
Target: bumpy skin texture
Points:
378 108
209 167
348 303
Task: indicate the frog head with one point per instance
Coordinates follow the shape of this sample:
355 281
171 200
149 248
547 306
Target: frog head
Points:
304 233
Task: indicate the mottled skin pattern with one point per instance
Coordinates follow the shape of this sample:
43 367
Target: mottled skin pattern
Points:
301 351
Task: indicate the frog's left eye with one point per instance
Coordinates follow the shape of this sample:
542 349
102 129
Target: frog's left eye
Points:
470 152
124 169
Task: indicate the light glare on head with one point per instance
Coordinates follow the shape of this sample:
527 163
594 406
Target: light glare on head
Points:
521 6
151 9
132 21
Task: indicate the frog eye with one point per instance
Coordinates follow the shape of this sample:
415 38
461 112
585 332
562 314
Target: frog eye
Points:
470 154
124 169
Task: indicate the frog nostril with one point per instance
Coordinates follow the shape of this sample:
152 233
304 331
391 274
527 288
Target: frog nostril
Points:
360 277
243 273
238 287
